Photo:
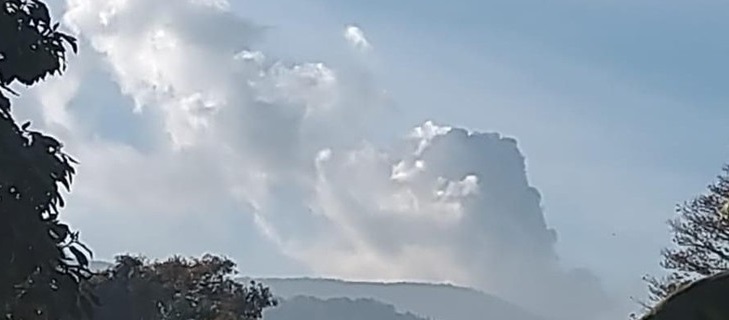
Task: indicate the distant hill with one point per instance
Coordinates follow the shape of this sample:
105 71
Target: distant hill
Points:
326 299
435 301
310 308
97 266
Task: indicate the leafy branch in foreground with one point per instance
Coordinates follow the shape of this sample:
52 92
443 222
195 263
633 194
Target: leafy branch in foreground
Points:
43 262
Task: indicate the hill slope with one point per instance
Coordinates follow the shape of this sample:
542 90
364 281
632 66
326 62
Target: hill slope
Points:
309 308
324 299
440 302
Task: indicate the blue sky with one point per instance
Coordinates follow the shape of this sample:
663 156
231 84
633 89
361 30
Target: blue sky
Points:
618 107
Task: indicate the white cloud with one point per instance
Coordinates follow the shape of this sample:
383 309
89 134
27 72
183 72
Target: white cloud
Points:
283 143
356 37
461 197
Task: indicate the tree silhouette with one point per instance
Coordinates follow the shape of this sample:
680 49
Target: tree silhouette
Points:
701 241
43 264
177 289
701 299
32 47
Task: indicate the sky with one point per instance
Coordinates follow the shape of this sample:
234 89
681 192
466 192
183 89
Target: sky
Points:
527 148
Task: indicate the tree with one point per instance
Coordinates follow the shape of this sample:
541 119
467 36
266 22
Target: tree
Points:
701 239
32 47
177 289
43 264
701 299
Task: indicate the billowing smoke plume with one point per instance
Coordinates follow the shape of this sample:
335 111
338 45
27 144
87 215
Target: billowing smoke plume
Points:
175 113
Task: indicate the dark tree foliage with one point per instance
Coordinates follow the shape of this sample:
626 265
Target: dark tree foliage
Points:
701 241
31 47
42 262
177 289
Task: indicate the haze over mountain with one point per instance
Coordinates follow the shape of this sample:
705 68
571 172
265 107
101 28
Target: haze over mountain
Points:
316 299
434 301
310 308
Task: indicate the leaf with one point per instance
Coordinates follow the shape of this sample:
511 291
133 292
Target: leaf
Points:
71 41
85 247
40 12
4 103
80 256
62 231
66 184
5 87
25 125
49 141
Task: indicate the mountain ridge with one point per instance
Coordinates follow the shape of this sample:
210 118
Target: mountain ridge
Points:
323 298
310 308
440 301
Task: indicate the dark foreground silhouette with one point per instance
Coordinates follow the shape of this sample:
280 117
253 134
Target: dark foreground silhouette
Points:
704 299
177 288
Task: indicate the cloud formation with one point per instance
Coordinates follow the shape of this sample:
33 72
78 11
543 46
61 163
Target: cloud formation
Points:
448 205
356 37
214 127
